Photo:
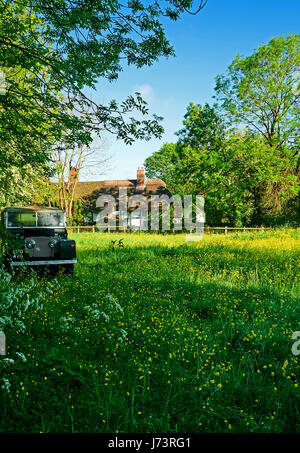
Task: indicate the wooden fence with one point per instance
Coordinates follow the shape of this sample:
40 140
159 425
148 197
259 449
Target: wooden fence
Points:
124 229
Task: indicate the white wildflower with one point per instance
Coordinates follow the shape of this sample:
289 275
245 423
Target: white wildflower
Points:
105 316
6 386
8 360
22 356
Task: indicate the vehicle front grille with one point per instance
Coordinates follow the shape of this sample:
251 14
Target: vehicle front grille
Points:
41 249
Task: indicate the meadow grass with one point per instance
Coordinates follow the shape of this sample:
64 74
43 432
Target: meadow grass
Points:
162 335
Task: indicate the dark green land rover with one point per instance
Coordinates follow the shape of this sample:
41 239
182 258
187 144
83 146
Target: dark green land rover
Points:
41 236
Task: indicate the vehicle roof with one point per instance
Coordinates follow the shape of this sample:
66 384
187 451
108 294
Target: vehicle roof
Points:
32 209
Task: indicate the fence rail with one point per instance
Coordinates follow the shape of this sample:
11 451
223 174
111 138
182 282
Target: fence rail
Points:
124 229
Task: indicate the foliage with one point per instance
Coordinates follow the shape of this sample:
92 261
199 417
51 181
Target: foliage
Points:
20 184
78 214
8 244
250 175
45 192
17 303
263 89
235 179
51 50
203 127
161 164
206 345
207 160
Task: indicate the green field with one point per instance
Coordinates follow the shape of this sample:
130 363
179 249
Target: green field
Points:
162 335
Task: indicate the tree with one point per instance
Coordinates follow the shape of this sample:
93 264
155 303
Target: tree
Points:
203 127
200 146
18 183
252 173
51 50
162 164
262 90
232 168
199 162
69 163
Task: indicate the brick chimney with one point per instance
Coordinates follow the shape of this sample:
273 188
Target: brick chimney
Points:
73 174
141 177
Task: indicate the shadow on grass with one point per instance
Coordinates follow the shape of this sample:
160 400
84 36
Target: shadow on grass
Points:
154 271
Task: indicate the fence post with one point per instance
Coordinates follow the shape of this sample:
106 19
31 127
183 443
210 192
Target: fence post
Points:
226 229
244 229
93 228
78 229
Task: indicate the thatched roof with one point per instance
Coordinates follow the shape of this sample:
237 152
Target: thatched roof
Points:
89 191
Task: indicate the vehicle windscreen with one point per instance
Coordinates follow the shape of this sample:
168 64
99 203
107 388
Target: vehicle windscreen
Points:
50 219
21 219
36 219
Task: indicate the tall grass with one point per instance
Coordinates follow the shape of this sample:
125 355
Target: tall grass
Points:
162 335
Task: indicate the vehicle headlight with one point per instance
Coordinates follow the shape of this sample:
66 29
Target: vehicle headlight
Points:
53 243
30 243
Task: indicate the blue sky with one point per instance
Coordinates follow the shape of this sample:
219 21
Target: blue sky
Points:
205 45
